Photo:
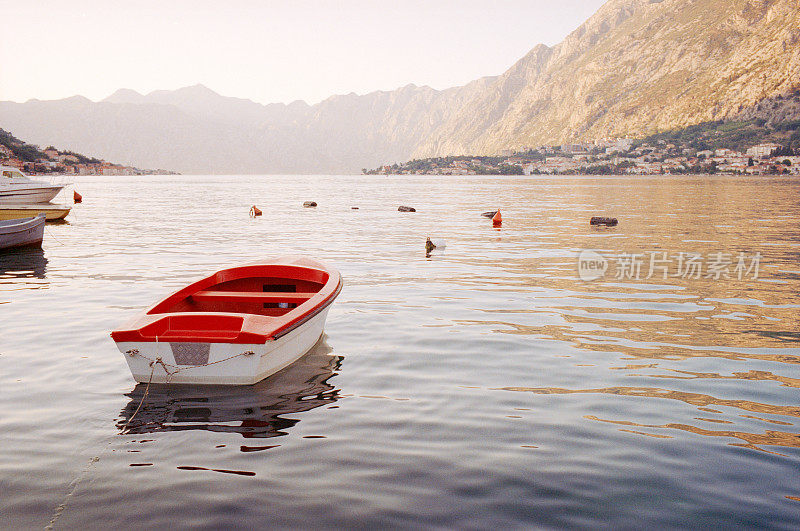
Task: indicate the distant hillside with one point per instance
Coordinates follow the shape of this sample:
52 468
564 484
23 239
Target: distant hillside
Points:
635 68
735 135
750 147
30 157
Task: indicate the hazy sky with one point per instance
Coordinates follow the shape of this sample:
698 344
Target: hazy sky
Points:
268 51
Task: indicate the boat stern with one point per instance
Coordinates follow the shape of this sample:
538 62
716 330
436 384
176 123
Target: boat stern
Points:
193 363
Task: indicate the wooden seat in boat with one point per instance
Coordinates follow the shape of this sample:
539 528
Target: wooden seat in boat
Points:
251 296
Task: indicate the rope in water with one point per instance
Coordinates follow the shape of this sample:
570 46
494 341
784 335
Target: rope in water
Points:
170 374
144 397
48 230
92 461
73 487
51 235
77 481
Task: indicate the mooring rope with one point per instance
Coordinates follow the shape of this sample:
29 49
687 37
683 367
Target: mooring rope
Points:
144 396
51 235
73 487
153 362
59 510
178 368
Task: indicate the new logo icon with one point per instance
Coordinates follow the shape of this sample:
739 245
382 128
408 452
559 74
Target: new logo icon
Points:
591 265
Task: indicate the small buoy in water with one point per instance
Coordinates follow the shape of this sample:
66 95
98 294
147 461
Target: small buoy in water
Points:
76 197
489 214
254 211
310 204
608 222
497 219
430 245
406 209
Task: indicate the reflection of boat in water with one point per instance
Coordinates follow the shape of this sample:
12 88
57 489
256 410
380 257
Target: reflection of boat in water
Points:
260 410
29 262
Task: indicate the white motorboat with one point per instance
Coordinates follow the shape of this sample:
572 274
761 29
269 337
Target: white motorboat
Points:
16 187
22 232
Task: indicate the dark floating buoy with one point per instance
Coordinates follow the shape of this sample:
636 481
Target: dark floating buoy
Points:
406 209
310 204
76 197
254 211
429 246
598 220
490 214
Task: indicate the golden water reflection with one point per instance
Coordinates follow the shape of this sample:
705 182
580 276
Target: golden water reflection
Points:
695 399
646 347
754 441
751 440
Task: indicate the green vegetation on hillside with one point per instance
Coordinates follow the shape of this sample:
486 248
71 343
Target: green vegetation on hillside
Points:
22 151
30 153
675 152
480 164
732 135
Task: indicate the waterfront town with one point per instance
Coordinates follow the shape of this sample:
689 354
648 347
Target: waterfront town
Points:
31 159
612 156
609 156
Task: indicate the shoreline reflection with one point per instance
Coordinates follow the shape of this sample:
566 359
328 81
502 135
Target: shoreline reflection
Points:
253 411
754 441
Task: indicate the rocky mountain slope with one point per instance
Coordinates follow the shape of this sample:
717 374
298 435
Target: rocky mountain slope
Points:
634 68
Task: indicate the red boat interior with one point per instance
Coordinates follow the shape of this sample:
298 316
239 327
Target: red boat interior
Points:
235 291
206 310
270 296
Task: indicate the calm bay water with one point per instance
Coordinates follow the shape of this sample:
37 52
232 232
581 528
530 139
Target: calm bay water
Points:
486 385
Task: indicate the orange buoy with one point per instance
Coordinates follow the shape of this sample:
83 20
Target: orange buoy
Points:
497 219
76 197
254 211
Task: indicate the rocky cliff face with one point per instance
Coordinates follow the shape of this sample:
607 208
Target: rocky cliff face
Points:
634 68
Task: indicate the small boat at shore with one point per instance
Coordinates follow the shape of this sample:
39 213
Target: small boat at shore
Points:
236 326
16 187
51 211
26 232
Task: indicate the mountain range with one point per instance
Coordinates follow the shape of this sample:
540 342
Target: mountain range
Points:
634 68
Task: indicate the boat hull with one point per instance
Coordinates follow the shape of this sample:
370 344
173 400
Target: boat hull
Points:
37 194
220 363
51 211
22 233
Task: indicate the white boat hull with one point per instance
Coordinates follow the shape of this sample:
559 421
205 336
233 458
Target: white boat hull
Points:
224 363
37 194
22 232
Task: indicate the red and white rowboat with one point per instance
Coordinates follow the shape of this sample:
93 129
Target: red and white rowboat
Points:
237 326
